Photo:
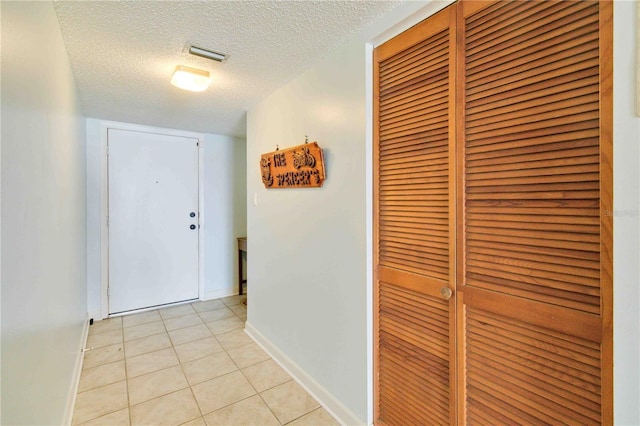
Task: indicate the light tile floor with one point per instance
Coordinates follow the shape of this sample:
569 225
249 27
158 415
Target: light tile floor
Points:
189 364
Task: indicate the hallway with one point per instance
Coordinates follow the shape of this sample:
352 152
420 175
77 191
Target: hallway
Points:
313 260
187 364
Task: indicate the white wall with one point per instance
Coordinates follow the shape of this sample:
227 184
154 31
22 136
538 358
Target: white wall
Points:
224 212
94 215
309 247
43 218
626 220
225 204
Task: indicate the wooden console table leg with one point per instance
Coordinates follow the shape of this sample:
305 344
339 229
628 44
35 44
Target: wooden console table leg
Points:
242 247
240 280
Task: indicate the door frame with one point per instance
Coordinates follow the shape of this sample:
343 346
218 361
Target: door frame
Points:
104 203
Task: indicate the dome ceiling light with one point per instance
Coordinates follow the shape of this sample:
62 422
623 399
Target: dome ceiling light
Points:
191 79
194 79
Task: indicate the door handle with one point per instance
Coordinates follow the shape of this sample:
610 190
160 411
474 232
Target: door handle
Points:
446 293
192 227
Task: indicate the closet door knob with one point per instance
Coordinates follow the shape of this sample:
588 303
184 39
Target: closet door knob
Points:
446 293
192 227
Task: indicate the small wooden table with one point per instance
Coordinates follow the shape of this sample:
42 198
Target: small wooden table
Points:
242 247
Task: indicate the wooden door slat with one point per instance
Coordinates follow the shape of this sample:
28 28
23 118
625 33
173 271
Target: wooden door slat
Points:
546 37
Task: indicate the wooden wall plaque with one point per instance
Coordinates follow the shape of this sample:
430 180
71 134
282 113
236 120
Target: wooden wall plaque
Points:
300 166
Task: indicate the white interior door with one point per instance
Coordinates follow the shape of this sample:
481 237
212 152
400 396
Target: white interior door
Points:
153 219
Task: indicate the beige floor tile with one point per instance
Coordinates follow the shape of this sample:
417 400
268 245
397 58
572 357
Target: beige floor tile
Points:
173 409
147 344
224 325
106 338
265 375
101 375
97 402
108 324
207 305
197 422
318 417
239 310
152 361
142 318
176 311
217 314
289 401
247 355
198 349
209 367
222 391
189 334
103 355
158 386
182 322
234 339
158 383
250 411
144 330
118 418
232 300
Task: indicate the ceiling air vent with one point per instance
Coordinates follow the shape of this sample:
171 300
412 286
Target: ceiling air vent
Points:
206 53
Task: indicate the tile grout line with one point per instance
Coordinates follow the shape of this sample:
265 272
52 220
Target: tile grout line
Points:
258 393
151 372
126 374
232 360
97 387
226 351
180 363
184 373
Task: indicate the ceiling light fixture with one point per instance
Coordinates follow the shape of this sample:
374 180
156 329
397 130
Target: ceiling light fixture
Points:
191 79
206 53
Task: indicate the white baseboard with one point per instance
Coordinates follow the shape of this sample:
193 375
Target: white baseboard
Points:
217 294
329 402
77 371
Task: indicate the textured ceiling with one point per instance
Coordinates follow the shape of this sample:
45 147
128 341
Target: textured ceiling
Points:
123 54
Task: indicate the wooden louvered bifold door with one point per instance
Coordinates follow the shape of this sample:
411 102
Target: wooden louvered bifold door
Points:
534 242
492 216
414 236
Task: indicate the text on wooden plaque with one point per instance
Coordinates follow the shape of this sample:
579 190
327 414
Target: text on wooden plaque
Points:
300 166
